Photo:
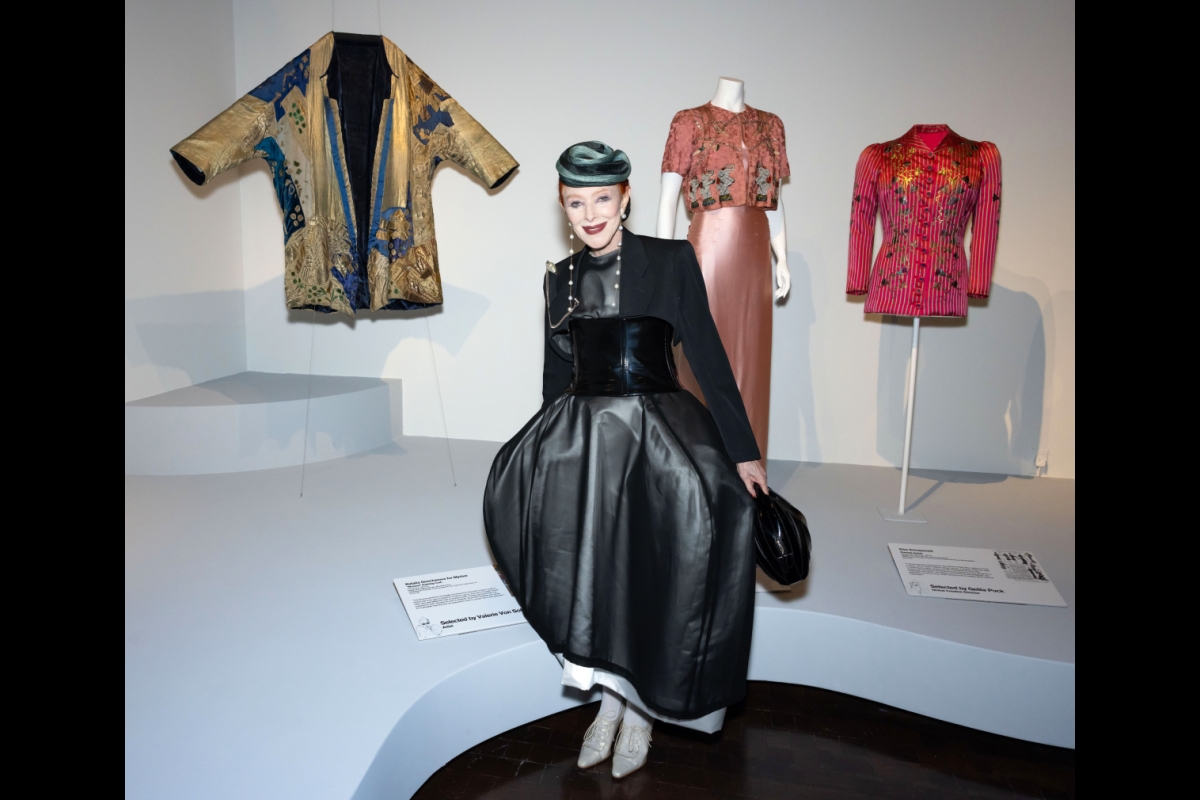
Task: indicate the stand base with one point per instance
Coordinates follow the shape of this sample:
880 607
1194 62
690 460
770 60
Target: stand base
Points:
890 514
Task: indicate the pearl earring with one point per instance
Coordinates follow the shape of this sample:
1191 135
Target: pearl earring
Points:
572 237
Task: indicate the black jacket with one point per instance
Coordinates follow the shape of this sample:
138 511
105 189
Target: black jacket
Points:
661 278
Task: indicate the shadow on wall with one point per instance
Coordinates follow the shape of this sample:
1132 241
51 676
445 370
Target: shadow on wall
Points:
176 333
201 334
450 329
791 364
980 387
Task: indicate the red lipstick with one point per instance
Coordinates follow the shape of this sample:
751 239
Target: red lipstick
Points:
592 230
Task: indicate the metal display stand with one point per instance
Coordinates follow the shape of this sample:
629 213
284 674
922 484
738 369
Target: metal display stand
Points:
909 403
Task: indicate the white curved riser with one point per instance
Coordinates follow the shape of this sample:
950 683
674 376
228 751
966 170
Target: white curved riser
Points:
1012 695
192 440
1025 698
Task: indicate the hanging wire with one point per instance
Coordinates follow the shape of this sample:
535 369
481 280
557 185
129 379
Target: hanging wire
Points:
333 15
312 347
437 382
429 332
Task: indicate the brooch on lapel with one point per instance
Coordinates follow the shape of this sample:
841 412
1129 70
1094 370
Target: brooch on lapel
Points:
551 268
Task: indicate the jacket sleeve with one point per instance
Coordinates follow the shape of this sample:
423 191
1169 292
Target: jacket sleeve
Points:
557 372
237 133
225 141
783 169
706 356
862 220
985 228
677 155
459 137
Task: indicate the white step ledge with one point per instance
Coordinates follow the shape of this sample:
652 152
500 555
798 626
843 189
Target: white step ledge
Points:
256 420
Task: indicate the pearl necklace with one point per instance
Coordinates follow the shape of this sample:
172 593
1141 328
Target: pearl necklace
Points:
572 301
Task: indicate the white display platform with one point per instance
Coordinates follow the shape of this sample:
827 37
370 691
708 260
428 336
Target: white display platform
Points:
851 627
256 420
267 654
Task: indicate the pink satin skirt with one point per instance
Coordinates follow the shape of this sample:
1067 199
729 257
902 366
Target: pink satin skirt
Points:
733 245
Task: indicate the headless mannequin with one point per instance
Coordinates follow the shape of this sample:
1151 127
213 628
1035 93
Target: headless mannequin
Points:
731 96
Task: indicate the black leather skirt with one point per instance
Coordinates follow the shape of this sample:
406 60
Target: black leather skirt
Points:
623 527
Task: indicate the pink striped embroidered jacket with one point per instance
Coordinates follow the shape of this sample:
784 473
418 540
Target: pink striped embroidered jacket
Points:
927 184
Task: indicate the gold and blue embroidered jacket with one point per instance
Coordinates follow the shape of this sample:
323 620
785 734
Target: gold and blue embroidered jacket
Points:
352 130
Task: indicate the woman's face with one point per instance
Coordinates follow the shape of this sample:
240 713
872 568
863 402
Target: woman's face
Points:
595 214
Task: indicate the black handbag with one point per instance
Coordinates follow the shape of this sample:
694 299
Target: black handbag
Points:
782 544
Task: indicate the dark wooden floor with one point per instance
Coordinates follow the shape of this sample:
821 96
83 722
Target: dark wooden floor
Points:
783 742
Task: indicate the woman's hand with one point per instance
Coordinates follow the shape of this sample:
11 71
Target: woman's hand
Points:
752 474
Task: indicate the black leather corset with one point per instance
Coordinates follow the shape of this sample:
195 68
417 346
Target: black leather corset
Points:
622 356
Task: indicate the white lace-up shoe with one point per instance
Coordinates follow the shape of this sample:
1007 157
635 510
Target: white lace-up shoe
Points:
633 745
598 741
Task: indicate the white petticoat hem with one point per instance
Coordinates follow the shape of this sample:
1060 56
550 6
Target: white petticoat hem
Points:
587 678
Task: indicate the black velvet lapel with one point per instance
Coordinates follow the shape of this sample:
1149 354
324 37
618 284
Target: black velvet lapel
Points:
359 79
635 292
558 290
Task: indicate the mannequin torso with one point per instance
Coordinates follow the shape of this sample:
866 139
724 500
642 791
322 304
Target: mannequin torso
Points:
730 96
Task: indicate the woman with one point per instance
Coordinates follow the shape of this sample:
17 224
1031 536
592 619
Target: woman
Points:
617 513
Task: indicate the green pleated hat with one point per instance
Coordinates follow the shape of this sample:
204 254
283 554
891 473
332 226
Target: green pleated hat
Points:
593 164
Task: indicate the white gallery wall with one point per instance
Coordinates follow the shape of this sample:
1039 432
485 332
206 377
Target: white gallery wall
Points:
993 391
184 298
